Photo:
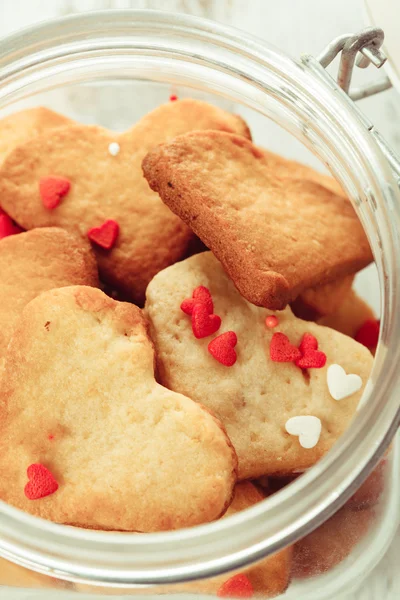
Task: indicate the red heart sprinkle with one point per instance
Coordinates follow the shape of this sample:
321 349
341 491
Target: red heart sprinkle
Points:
311 357
271 321
173 98
281 350
222 348
308 342
52 189
201 295
41 482
368 334
204 324
238 586
7 226
105 235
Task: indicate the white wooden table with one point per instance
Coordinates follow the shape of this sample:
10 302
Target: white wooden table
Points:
295 26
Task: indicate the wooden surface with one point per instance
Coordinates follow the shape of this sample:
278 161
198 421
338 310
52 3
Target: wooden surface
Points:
295 26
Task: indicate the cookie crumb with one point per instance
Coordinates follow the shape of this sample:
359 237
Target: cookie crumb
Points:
47 325
114 148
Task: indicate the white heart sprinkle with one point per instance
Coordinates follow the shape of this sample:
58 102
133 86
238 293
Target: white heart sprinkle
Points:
307 428
114 148
340 384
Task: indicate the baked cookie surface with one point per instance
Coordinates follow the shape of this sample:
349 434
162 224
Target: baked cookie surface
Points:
322 300
349 316
275 236
103 445
268 578
20 127
37 261
106 196
326 547
257 396
286 168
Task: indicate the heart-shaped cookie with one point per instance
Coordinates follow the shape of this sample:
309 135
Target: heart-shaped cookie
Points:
325 547
275 236
24 125
268 578
110 186
307 428
127 453
36 261
256 397
15 576
322 300
350 316
341 384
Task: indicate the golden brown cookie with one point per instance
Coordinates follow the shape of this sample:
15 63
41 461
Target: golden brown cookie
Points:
275 236
36 261
247 384
331 543
322 300
350 315
18 128
369 493
89 180
16 576
88 438
268 578
285 168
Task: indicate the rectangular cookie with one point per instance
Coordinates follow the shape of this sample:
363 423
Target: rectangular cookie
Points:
275 236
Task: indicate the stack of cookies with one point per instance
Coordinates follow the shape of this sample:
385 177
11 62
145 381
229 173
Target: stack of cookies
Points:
179 334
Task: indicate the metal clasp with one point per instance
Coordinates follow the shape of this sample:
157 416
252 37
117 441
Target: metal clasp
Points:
362 49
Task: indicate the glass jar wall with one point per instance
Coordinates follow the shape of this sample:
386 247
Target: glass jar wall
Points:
111 68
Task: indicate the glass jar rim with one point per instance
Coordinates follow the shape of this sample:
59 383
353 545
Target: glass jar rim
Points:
158 558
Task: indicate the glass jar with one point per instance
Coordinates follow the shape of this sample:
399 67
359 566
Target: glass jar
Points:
111 68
